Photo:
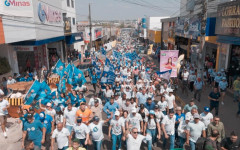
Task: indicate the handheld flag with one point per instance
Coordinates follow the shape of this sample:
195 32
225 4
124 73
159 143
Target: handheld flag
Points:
32 92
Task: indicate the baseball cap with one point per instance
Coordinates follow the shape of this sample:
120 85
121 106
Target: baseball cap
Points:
196 116
156 106
134 110
117 113
76 141
96 118
170 90
206 109
49 105
224 78
151 112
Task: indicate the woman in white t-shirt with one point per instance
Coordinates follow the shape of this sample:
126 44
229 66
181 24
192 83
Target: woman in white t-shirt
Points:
108 93
152 127
163 105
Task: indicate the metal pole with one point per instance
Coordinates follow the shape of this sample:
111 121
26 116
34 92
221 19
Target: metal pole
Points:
90 26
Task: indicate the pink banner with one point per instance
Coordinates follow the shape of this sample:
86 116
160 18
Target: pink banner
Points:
168 61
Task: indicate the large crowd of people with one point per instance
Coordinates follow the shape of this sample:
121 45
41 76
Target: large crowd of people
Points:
140 106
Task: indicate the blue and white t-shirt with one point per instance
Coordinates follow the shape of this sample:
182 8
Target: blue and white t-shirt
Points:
96 131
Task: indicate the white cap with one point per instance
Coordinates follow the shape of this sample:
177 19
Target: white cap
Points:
134 110
188 118
117 113
170 90
49 105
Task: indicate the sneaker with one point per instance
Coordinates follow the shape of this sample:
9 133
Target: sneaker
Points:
5 134
6 129
222 103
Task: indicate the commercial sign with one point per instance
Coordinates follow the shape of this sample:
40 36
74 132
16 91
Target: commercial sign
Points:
98 33
189 27
22 8
48 14
168 61
23 48
67 25
228 19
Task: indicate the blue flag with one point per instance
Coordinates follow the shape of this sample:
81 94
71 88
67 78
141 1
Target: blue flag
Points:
32 92
57 66
165 75
69 70
76 73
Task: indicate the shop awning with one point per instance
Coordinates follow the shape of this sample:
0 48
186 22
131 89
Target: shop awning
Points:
228 39
75 37
40 42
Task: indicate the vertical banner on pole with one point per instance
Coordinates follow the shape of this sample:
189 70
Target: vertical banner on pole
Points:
168 61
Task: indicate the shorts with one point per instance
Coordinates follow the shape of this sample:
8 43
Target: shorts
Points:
223 90
3 119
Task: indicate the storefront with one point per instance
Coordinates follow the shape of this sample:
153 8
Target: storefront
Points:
228 35
187 31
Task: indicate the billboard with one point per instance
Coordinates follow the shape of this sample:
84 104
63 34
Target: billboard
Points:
21 8
168 61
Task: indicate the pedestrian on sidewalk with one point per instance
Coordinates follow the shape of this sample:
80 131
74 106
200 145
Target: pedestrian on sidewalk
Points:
185 76
231 143
81 131
216 125
4 105
116 130
211 142
223 88
62 137
33 129
191 79
236 88
168 128
198 87
188 107
217 79
195 129
214 100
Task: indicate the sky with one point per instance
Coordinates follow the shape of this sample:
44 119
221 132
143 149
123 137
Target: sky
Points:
123 10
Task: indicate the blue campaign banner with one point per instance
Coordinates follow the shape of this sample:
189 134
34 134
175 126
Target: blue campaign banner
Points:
32 92
69 70
57 66
76 72
44 86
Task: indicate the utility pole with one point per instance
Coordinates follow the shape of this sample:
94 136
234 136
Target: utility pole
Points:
203 18
90 26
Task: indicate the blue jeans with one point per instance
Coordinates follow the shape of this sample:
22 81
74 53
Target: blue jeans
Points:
171 138
192 145
115 139
70 128
153 133
97 145
182 141
236 95
64 148
135 79
82 142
